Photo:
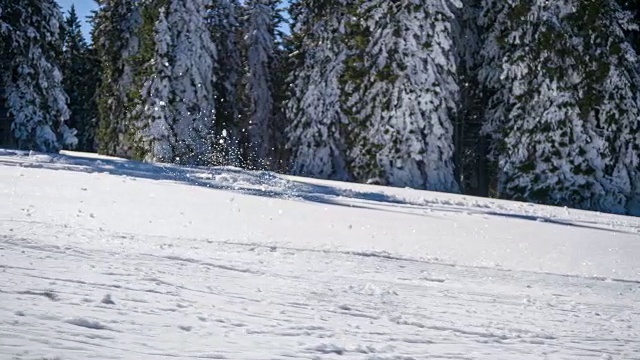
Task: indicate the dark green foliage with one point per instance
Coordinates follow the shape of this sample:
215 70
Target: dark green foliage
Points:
357 38
81 79
280 154
142 68
115 40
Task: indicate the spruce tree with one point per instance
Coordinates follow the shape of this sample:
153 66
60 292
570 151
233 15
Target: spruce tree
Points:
401 93
35 100
6 138
533 112
177 118
561 92
261 44
225 24
151 69
611 97
80 81
473 167
115 38
316 131
281 67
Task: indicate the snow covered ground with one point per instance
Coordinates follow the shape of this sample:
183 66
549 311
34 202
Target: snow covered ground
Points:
102 258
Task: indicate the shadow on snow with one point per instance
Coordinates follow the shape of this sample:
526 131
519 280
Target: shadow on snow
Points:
265 184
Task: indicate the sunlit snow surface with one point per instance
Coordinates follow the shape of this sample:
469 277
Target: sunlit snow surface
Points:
102 258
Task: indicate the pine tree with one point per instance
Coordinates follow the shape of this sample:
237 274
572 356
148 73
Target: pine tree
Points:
401 93
6 138
281 68
611 98
316 131
178 95
541 144
115 29
262 22
154 136
551 112
80 78
151 68
224 19
31 78
471 146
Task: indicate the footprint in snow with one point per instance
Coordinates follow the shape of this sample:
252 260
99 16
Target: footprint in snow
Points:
107 300
86 323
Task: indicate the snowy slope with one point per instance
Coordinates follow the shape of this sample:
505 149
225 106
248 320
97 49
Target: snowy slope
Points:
102 258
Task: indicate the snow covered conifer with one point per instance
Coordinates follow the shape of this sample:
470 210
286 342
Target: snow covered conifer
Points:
471 145
178 95
611 97
401 93
561 91
281 67
34 96
316 132
80 74
6 138
150 131
260 42
543 147
224 19
115 38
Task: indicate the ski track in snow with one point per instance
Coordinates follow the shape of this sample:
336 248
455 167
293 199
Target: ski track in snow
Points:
245 302
72 289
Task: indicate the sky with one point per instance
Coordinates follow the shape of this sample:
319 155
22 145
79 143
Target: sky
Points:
83 8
